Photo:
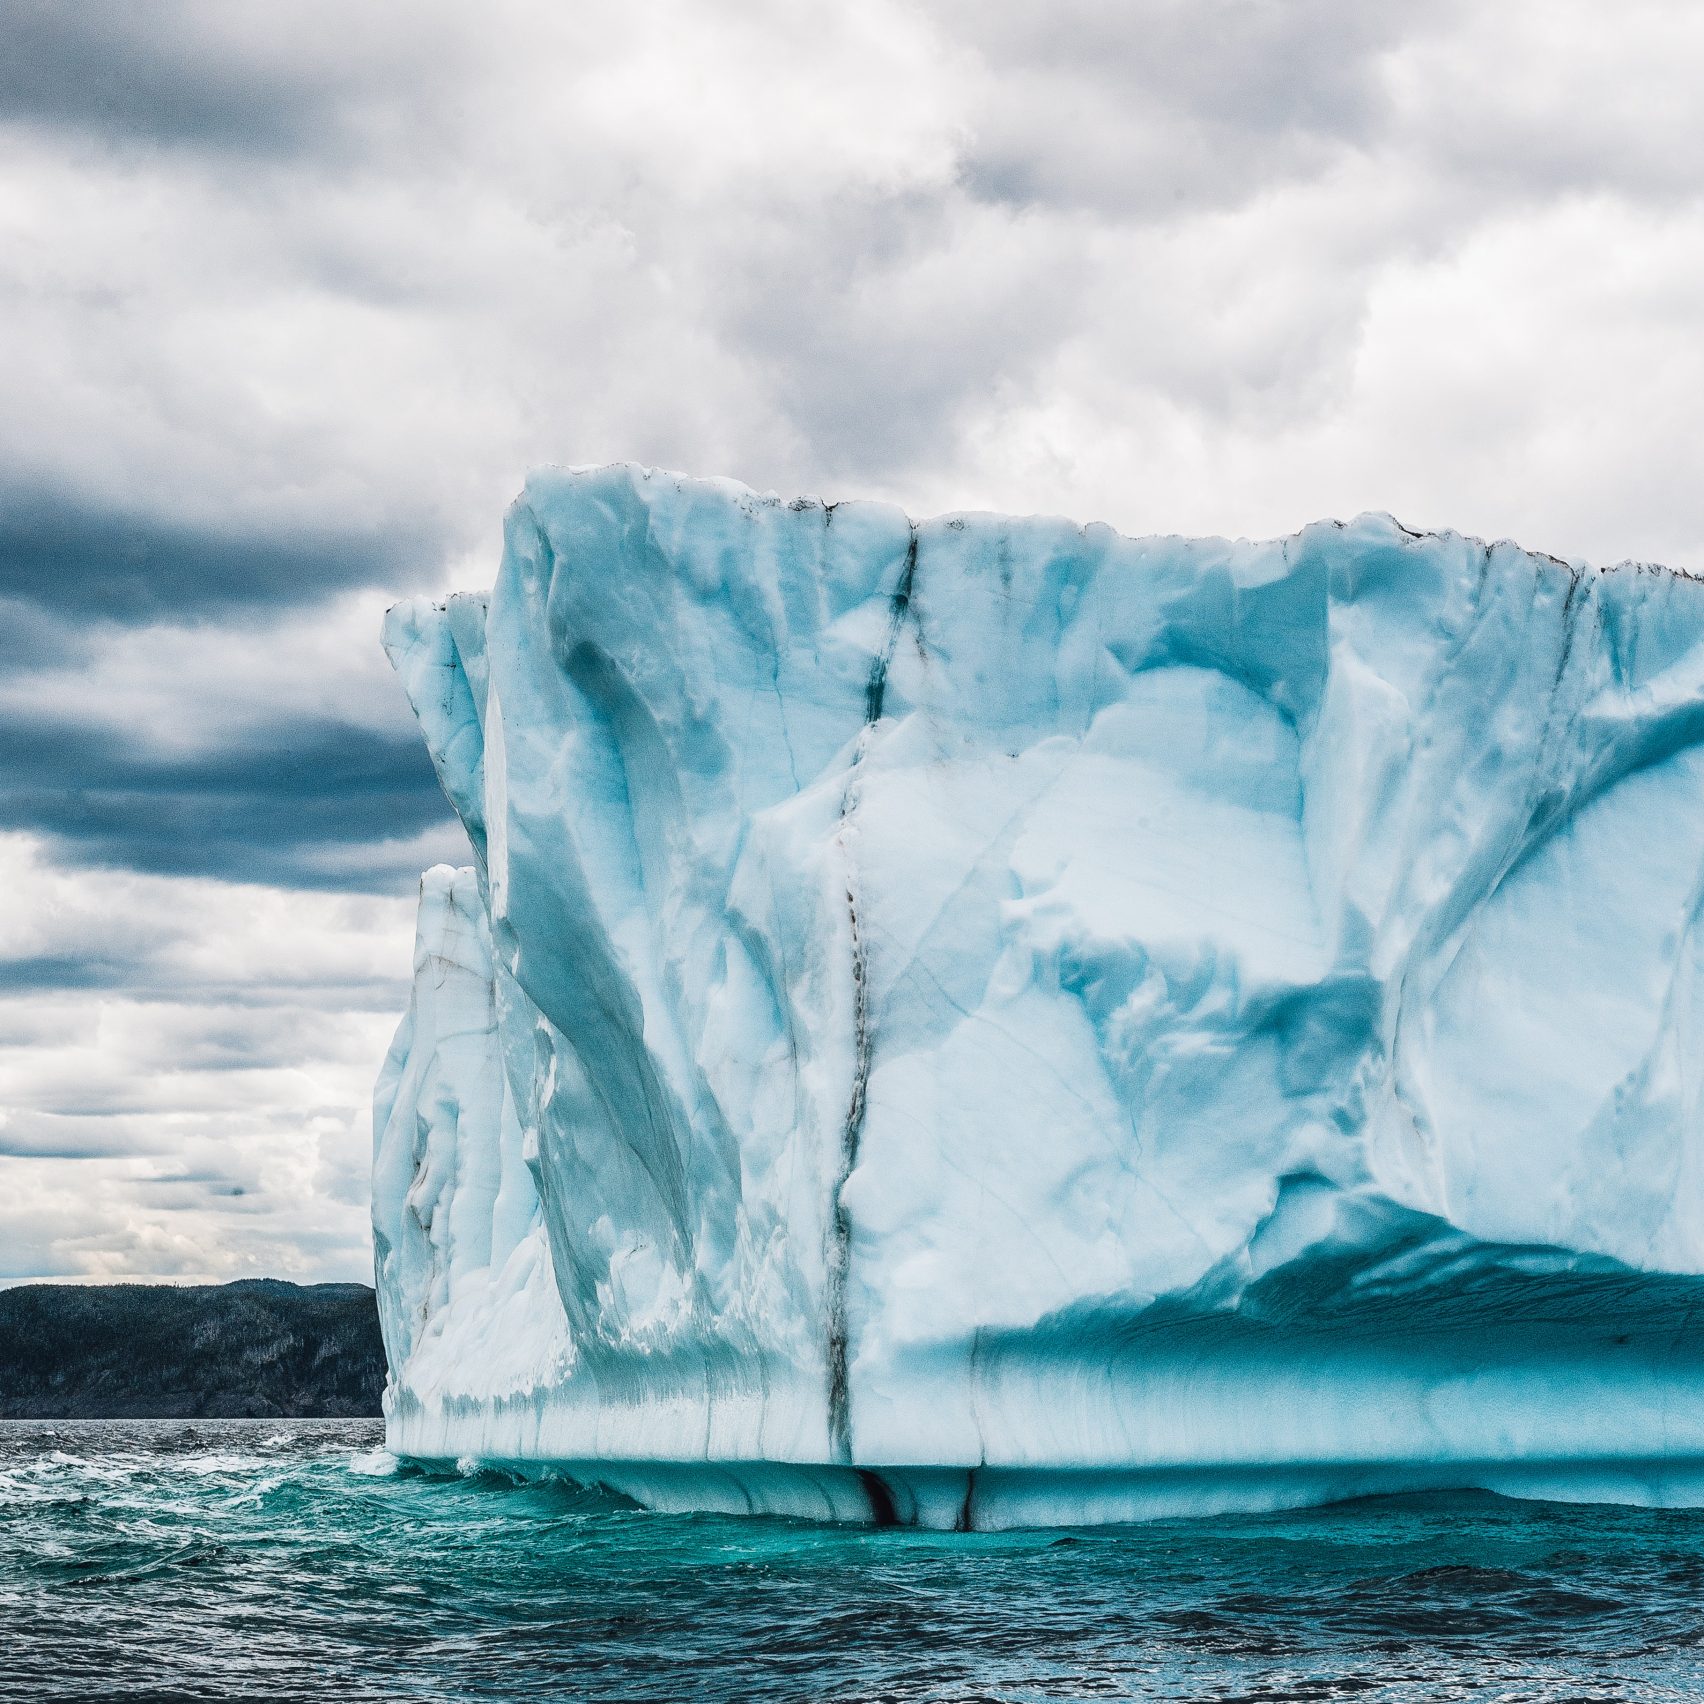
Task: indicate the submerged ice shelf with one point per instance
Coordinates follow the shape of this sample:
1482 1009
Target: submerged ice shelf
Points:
988 1021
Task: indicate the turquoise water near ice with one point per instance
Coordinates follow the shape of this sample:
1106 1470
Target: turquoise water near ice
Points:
290 1560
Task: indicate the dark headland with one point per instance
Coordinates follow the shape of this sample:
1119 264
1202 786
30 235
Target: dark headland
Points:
258 1348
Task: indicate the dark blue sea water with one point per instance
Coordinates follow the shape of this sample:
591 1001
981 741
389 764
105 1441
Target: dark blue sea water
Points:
285 1560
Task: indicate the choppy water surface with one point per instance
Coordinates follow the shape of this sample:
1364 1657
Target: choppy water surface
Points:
264 1559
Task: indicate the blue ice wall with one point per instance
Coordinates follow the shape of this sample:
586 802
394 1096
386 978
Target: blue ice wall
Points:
988 1020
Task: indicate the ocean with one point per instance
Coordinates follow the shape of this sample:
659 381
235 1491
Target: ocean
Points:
295 1560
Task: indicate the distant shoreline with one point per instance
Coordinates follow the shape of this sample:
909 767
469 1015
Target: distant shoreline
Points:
255 1349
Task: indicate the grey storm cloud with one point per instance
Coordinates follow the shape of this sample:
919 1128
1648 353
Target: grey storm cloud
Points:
247 80
1162 107
51 972
77 561
37 635
263 810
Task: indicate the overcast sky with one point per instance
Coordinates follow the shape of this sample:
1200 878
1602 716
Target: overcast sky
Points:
294 293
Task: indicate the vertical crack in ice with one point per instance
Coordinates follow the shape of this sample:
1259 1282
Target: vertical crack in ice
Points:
840 1234
965 1520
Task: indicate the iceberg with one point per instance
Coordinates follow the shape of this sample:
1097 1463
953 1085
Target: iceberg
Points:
990 1022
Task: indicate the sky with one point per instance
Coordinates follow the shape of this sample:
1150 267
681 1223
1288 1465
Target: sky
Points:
292 296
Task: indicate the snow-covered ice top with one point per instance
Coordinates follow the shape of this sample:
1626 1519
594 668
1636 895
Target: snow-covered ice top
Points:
989 1019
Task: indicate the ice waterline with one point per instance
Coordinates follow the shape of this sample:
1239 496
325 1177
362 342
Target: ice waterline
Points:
988 1022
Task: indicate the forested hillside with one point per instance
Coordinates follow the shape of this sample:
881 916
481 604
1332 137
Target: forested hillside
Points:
258 1347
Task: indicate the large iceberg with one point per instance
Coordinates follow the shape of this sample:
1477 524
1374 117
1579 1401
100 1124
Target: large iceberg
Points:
987 1022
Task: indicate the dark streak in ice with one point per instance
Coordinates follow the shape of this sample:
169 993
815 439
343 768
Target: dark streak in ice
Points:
839 1253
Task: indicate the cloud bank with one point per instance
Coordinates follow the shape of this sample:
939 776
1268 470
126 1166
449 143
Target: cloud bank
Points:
292 297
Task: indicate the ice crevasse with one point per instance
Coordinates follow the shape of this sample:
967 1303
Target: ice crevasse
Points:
986 1022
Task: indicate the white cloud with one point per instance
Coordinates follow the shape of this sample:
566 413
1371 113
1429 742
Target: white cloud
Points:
202 1108
178 688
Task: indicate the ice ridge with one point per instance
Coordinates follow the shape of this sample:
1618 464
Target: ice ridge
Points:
988 1021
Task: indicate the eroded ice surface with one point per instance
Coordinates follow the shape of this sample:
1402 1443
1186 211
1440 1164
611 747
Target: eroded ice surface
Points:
991 1021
